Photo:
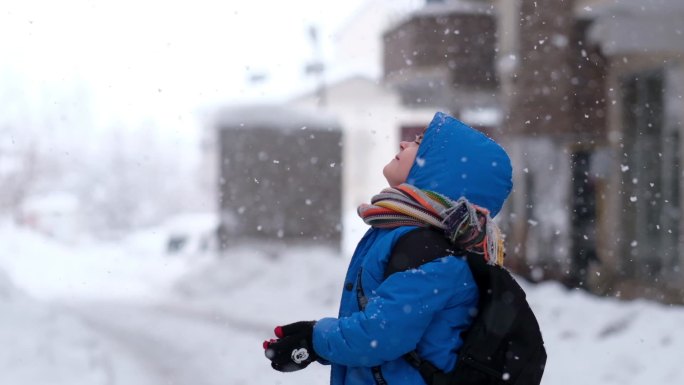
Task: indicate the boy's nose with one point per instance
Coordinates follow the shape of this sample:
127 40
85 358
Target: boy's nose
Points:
403 144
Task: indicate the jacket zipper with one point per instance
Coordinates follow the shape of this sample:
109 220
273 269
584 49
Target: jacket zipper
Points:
362 301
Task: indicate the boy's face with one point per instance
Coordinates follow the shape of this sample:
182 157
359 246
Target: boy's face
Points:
397 170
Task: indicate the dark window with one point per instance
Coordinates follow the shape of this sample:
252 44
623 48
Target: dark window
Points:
409 133
583 217
650 183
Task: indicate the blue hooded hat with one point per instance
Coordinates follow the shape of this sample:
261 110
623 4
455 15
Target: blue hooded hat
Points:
458 161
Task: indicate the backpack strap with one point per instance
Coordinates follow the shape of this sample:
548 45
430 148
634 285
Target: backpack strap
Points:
413 249
418 247
427 370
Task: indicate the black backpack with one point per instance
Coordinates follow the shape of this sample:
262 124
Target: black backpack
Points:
504 344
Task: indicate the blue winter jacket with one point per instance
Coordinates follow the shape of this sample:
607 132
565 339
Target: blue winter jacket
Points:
425 309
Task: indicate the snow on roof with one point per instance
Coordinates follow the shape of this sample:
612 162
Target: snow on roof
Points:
635 26
456 6
350 78
624 34
446 8
632 7
274 116
487 116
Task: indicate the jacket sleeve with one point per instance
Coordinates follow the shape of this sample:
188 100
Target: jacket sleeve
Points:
396 315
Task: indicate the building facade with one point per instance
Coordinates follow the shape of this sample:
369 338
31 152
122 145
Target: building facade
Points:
280 177
590 99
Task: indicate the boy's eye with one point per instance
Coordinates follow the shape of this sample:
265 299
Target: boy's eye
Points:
419 138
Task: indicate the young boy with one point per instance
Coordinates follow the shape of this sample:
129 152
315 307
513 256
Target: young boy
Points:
396 301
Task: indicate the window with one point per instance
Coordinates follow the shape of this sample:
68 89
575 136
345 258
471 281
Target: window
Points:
409 132
583 217
650 183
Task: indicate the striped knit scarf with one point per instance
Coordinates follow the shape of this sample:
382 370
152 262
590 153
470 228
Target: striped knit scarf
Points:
466 225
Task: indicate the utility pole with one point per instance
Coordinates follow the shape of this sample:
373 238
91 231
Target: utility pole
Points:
316 67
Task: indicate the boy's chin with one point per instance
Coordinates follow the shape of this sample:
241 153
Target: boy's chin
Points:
386 173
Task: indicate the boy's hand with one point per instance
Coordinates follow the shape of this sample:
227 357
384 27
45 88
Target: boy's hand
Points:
293 350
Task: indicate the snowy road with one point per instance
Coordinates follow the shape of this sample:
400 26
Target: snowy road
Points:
169 344
132 316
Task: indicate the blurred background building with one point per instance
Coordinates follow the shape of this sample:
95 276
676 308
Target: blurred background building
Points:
279 176
589 95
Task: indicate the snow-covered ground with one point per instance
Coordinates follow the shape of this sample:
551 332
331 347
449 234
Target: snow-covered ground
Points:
127 313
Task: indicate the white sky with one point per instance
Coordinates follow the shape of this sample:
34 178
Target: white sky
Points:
124 62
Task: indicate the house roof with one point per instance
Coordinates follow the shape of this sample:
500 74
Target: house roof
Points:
637 27
355 81
456 6
273 116
631 7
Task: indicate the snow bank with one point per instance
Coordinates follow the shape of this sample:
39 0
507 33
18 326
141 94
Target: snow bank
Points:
266 288
593 340
7 289
48 269
43 343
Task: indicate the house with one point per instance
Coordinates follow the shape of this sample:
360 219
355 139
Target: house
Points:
553 95
643 45
589 95
279 176
443 55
